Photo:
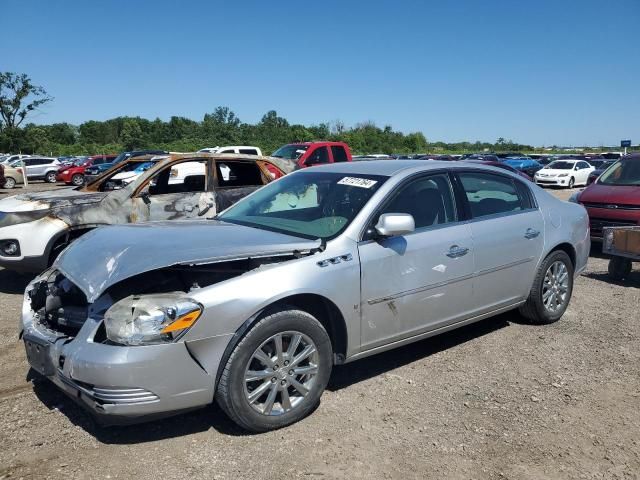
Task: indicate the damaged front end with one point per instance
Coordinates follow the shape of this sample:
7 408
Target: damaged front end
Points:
117 345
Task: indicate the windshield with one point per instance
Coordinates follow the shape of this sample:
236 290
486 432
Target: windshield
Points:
123 156
306 204
560 165
624 172
290 152
108 183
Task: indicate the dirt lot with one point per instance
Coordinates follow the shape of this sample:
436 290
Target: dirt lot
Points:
499 399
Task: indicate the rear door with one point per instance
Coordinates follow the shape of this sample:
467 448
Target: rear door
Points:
421 281
508 237
182 190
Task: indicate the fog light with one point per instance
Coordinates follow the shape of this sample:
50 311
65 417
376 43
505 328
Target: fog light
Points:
10 248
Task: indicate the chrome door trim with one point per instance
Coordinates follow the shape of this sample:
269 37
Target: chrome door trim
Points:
395 296
431 333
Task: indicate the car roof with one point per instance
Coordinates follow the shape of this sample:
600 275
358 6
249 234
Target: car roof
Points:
389 167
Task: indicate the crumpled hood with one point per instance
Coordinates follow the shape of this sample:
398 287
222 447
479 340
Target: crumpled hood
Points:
108 255
64 197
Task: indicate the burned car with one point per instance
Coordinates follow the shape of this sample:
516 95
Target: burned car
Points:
36 227
322 267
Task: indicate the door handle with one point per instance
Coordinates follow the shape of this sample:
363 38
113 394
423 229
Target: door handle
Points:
455 251
531 233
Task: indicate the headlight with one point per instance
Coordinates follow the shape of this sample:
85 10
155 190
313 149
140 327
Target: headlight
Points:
150 319
64 171
563 175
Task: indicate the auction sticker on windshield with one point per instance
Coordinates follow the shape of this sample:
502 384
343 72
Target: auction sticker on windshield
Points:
357 182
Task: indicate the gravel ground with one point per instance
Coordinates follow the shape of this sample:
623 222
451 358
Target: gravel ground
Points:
498 399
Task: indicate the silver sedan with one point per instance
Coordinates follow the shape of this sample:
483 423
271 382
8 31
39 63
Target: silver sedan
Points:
322 267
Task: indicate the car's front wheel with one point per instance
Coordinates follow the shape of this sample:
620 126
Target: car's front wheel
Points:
572 182
50 177
551 290
77 180
277 372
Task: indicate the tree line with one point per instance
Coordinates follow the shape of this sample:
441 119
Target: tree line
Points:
19 98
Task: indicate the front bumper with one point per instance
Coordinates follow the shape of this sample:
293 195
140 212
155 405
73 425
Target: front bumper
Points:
120 384
550 181
63 177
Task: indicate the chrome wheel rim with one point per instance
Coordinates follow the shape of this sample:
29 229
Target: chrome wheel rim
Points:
555 288
281 373
9 183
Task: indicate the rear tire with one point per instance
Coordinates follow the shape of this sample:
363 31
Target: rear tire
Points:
77 180
9 183
551 291
619 268
50 177
284 396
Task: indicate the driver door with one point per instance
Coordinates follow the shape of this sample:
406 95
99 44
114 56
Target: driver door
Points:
180 191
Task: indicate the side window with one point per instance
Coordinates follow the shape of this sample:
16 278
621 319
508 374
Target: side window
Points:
318 156
490 194
229 150
583 165
339 154
238 174
185 177
428 199
248 151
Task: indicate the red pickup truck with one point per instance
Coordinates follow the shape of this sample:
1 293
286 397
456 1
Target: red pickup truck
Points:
307 154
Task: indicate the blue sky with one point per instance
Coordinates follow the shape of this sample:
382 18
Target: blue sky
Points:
546 72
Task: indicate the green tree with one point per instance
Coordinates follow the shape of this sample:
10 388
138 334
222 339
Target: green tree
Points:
18 98
131 134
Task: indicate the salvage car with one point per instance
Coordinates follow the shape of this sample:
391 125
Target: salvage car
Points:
35 227
321 267
613 199
564 173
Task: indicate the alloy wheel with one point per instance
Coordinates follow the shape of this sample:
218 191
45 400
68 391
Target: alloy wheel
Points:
281 373
555 287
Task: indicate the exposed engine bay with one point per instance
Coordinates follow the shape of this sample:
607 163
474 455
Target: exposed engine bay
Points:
60 306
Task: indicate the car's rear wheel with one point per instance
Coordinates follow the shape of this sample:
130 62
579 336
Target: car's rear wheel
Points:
572 181
277 372
77 179
9 183
619 268
50 177
551 290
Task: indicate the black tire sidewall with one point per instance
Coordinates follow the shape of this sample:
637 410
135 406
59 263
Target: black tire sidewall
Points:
278 322
619 268
572 182
545 315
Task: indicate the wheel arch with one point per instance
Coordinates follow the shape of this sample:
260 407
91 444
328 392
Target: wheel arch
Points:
318 306
567 248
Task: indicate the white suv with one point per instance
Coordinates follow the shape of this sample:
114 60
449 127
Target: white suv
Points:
244 150
39 168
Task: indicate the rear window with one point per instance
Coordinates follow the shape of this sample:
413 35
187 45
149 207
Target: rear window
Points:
339 154
248 151
490 194
238 174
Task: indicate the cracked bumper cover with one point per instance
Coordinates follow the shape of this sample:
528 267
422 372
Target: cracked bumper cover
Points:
121 384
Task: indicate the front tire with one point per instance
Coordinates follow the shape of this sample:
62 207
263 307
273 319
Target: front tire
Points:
50 177
276 374
551 290
77 180
572 182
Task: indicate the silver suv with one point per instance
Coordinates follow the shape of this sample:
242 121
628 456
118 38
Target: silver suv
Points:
39 168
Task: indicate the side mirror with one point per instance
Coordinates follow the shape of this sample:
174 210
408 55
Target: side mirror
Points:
392 224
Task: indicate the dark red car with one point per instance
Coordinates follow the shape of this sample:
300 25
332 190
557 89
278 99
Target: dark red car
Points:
495 163
307 154
614 198
74 174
